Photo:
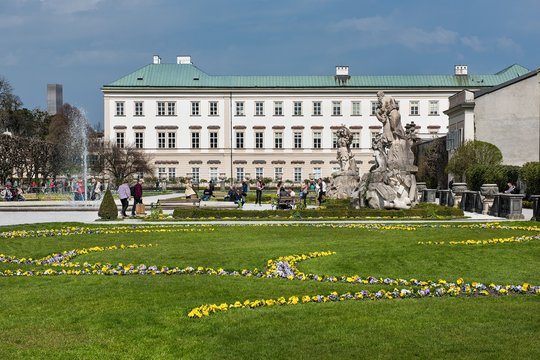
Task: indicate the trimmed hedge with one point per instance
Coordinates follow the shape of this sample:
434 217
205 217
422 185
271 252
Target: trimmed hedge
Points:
424 211
107 209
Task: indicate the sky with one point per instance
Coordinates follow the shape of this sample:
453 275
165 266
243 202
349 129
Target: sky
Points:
85 44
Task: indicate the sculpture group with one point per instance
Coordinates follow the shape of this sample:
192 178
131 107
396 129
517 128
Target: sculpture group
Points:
391 181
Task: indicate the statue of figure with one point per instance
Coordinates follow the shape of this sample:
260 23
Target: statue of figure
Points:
388 114
379 153
344 154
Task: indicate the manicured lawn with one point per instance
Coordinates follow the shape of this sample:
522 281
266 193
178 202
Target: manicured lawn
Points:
146 317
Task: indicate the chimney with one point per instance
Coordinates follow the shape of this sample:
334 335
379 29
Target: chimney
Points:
342 71
156 59
183 60
460 70
342 74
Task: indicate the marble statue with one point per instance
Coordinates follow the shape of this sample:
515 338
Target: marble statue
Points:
391 182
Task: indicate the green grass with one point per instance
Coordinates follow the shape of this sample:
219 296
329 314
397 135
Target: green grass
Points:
145 317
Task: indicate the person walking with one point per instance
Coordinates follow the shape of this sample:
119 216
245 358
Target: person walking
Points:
321 187
258 191
124 193
304 191
137 196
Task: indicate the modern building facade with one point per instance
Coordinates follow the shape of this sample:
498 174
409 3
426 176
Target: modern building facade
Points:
506 115
282 127
55 98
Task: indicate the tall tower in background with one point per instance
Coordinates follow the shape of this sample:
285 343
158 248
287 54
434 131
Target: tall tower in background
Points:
55 98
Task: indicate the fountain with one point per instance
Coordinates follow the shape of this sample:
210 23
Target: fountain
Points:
79 144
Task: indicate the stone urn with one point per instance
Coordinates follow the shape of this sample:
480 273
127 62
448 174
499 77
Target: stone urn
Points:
420 186
458 189
488 191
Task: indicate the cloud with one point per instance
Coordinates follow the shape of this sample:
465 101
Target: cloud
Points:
8 59
506 43
10 21
88 57
389 30
473 42
413 37
67 7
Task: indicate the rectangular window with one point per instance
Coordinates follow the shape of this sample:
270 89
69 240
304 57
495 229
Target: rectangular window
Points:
213 108
213 175
161 108
120 139
213 140
297 136
139 108
355 143
259 140
259 108
317 173
120 108
259 172
356 109
171 108
317 140
239 173
195 108
336 108
374 107
297 108
161 140
172 140
278 173
278 140
195 174
334 140
278 108
433 107
413 107
297 175
162 173
317 108
239 140
195 140
139 140
239 108
172 174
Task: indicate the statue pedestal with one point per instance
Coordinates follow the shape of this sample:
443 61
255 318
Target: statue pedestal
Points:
343 185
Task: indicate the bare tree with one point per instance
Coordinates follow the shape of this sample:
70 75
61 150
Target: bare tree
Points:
120 162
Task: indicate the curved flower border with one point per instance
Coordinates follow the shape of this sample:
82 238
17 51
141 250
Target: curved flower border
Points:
282 267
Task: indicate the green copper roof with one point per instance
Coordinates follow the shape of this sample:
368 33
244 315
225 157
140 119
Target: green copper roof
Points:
189 76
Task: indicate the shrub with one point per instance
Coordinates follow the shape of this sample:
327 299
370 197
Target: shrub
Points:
530 175
473 153
480 174
420 211
107 209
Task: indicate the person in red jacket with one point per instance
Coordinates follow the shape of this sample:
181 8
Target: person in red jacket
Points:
137 195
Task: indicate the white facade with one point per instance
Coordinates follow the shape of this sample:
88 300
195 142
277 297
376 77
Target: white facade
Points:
270 132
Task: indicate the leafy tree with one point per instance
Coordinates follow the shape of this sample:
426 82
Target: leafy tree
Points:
473 153
120 162
8 104
530 174
432 158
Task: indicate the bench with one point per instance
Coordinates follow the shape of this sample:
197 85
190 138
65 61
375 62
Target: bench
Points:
175 203
218 204
285 202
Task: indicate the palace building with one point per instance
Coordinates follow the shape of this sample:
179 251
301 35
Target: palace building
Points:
280 127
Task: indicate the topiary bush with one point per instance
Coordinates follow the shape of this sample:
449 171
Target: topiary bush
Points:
480 174
107 209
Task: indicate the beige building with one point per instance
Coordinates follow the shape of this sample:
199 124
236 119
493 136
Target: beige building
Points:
270 126
506 115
